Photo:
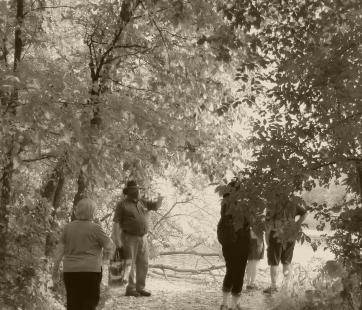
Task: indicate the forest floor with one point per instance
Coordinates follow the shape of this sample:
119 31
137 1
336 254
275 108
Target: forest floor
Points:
183 295
203 292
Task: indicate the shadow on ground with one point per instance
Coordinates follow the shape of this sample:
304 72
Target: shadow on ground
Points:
181 295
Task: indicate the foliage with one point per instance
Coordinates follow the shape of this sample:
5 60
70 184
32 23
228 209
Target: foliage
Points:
104 91
329 286
302 78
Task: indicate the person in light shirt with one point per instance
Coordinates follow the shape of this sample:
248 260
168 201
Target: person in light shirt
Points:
83 247
281 214
256 253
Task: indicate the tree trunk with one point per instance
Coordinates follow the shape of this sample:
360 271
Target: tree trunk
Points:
58 193
359 179
99 75
9 165
18 30
4 202
82 190
52 192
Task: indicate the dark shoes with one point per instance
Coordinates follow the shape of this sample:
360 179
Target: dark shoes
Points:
251 287
223 307
132 293
270 290
144 293
138 293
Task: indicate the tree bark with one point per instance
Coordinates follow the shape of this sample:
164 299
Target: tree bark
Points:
52 192
359 179
4 202
18 32
58 193
9 165
82 190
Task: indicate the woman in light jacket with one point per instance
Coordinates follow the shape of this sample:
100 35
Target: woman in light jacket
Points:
83 245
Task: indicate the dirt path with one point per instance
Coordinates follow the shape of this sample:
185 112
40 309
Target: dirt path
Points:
181 295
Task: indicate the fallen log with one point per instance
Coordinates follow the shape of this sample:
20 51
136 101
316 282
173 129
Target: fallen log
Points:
189 253
186 270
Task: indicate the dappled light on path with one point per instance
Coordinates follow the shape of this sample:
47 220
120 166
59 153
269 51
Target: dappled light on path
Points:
181 295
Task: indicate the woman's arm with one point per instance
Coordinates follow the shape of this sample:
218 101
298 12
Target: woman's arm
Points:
104 241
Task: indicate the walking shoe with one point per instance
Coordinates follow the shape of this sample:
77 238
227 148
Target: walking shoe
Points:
270 290
251 287
144 293
132 293
223 307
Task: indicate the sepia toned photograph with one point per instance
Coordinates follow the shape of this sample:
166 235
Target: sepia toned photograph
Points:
181 154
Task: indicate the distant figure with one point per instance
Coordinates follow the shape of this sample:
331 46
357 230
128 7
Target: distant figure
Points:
130 230
256 253
282 214
235 249
81 245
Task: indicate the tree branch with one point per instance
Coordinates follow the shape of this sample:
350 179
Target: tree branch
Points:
50 7
186 270
189 253
42 157
161 34
169 211
136 88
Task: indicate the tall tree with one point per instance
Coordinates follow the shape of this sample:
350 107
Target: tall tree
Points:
11 103
303 79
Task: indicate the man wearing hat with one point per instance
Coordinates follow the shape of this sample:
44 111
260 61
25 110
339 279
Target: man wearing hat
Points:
130 232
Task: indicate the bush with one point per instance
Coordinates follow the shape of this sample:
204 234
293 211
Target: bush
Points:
325 287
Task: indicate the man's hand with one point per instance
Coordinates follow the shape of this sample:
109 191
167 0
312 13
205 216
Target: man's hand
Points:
159 201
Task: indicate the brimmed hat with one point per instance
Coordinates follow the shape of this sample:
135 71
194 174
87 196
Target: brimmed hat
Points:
130 185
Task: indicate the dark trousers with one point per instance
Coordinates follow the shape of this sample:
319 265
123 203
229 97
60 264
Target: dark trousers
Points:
236 256
82 289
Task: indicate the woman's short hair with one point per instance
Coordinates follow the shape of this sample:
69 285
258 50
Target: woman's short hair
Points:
85 209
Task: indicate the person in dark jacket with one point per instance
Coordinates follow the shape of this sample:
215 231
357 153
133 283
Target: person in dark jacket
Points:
130 230
235 249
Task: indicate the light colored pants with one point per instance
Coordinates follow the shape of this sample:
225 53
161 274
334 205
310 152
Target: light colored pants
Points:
137 249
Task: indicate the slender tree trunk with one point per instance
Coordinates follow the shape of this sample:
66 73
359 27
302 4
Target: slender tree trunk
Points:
18 32
82 187
99 76
58 193
4 202
359 173
7 172
52 192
